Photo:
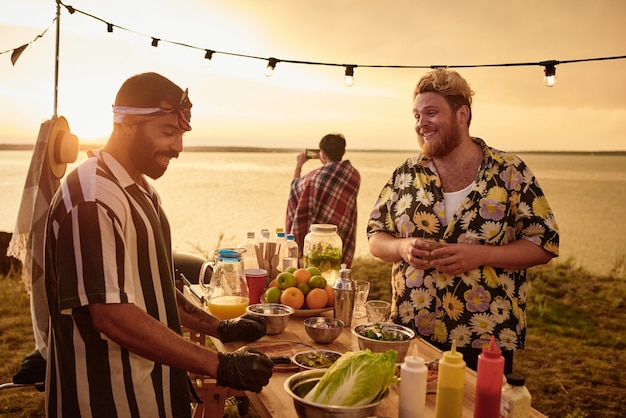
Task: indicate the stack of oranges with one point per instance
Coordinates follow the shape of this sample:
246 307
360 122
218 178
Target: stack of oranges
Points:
302 288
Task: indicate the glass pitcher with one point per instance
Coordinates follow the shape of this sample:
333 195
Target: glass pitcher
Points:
227 292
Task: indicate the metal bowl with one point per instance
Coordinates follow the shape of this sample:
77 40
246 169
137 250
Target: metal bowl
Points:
276 315
315 359
323 330
401 338
299 384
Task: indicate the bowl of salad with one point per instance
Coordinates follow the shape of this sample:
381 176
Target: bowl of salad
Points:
382 336
351 387
315 359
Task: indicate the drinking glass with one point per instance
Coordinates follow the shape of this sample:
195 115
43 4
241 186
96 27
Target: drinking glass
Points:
362 290
377 310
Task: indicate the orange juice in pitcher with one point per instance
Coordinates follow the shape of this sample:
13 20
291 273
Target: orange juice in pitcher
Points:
227 291
228 307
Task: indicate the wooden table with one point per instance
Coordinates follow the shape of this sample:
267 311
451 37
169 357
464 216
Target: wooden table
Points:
273 401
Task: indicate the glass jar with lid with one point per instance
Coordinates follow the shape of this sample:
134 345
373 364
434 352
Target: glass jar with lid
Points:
323 249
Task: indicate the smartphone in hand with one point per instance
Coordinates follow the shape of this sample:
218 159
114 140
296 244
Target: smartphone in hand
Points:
312 153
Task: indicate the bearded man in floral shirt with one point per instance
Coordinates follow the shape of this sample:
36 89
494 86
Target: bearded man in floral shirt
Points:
461 223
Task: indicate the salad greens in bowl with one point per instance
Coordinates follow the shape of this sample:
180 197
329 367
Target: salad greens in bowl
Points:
351 387
382 336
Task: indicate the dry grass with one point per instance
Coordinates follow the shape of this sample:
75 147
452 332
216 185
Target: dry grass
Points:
16 341
573 361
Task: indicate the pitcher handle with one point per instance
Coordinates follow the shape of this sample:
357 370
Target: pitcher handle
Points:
205 286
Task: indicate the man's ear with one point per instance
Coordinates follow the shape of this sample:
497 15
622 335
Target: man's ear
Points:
463 114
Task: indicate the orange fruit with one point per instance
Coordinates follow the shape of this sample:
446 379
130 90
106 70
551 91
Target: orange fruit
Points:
273 284
331 295
316 298
302 275
292 296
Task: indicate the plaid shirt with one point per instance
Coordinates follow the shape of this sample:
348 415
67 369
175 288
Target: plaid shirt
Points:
326 195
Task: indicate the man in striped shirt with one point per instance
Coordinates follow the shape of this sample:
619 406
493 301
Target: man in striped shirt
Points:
116 348
326 195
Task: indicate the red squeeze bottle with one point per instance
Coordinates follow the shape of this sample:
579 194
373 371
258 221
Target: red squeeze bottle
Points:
489 375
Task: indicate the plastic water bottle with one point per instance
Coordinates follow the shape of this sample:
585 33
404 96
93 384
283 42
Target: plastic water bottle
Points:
450 385
249 257
413 376
281 243
265 236
489 376
289 255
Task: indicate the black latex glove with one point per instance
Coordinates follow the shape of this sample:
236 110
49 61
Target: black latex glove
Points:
244 369
245 328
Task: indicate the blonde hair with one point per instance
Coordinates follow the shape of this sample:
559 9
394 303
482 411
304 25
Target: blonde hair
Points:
450 85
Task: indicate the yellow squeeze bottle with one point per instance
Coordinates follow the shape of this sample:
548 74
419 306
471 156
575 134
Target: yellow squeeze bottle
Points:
450 384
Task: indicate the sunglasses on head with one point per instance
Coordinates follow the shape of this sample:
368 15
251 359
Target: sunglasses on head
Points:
183 110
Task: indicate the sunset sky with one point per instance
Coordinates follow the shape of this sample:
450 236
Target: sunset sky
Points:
235 104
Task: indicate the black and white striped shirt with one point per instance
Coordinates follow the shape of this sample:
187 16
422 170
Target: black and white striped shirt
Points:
108 241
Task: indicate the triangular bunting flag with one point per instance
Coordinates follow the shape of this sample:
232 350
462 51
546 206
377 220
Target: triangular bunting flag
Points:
17 52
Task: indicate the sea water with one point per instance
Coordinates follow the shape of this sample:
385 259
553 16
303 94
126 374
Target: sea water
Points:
212 199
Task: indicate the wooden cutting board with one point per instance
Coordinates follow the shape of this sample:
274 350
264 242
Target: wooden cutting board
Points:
280 352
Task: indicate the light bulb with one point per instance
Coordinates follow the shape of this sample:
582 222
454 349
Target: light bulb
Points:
208 54
550 80
549 71
110 34
348 81
271 64
154 45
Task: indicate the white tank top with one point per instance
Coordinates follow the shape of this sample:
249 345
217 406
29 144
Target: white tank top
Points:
451 201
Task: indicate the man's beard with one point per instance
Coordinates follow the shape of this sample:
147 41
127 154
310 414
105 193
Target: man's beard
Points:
444 145
140 148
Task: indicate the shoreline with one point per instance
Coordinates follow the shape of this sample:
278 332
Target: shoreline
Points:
85 147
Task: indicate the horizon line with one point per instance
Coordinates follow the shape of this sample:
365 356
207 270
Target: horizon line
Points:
230 148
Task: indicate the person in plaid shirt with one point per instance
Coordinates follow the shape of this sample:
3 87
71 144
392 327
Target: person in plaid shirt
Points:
326 195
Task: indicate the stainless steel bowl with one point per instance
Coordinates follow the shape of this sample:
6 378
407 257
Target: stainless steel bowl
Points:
299 384
401 336
323 330
276 315
315 359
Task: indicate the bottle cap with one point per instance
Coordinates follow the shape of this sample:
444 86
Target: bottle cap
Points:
492 351
414 360
515 379
453 356
344 282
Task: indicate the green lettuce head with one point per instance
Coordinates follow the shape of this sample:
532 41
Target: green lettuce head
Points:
355 379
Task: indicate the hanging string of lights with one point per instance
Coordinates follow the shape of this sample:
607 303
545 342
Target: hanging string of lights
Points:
549 66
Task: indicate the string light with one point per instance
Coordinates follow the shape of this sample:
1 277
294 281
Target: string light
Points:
348 81
549 66
549 71
110 31
208 54
271 64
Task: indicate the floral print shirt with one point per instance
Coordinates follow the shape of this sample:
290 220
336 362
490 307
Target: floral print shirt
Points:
505 204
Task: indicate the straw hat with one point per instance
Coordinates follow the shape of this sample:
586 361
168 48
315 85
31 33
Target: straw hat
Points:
62 147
